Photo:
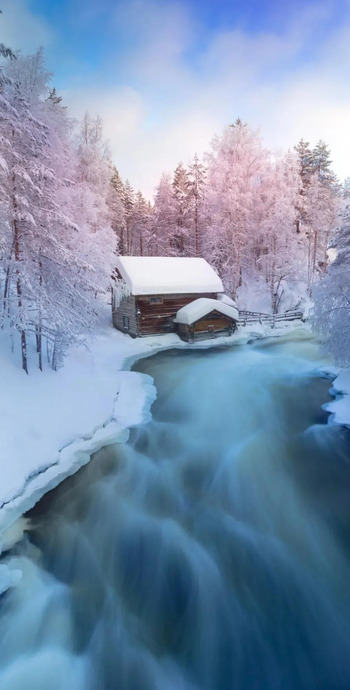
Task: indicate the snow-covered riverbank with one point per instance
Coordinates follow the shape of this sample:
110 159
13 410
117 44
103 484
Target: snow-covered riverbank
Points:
340 406
53 422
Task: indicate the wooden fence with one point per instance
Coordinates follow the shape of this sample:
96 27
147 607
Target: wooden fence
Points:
248 317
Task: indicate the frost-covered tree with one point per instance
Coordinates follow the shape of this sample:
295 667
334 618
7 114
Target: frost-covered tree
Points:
164 218
306 169
317 206
180 240
141 225
235 167
322 206
281 251
115 202
346 188
321 165
332 298
25 190
56 241
196 177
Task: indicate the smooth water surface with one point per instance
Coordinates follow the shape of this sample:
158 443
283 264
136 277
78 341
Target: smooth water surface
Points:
210 552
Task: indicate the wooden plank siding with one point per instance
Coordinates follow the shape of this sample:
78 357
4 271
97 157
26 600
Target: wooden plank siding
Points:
127 307
210 326
158 317
213 322
152 314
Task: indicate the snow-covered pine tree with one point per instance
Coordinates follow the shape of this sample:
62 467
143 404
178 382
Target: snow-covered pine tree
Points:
115 202
321 164
164 218
322 203
306 169
141 225
180 241
129 202
196 177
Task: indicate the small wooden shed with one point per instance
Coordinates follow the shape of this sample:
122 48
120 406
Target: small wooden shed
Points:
206 318
149 291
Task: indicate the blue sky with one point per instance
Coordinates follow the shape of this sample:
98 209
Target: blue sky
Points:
166 75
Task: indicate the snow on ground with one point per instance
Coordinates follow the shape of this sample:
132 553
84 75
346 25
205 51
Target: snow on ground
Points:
340 406
53 421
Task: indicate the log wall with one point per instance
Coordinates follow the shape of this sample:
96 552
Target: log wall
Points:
126 308
154 314
211 326
158 317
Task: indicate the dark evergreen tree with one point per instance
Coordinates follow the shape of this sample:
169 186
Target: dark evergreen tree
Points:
321 164
305 160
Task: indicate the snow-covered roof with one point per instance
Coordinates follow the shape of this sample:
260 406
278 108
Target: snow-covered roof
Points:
201 307
158 275
227 300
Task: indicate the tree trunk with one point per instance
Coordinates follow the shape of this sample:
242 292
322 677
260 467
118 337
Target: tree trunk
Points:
19 299
6 295
16 246
38 337
24 351
56 353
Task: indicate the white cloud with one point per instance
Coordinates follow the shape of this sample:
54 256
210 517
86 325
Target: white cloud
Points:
21 29
177 95
289 87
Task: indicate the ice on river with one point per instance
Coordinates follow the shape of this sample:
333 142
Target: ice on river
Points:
210 552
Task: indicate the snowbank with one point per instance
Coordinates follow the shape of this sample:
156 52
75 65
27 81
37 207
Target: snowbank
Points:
53 422
340 406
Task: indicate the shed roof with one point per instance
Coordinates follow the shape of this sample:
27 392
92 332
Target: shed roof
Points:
201 307
227 300
158 275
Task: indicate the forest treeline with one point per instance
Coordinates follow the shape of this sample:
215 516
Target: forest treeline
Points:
66 213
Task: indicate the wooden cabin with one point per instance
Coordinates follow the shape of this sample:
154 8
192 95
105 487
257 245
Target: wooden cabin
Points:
206 318
149 292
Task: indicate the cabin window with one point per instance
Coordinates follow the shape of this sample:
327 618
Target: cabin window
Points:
156 300
126 323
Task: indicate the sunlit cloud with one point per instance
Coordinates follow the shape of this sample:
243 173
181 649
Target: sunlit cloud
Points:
168 83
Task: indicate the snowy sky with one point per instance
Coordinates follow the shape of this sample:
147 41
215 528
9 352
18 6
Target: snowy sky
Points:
165 75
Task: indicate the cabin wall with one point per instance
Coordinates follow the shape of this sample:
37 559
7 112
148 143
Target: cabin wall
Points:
156 316
124 316
212 326
212 323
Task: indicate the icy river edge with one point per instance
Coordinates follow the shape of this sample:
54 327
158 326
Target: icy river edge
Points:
129 396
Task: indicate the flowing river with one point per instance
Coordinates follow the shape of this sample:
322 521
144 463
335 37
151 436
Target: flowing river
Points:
211 552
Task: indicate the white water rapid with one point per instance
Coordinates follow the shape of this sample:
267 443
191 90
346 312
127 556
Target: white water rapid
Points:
211 552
